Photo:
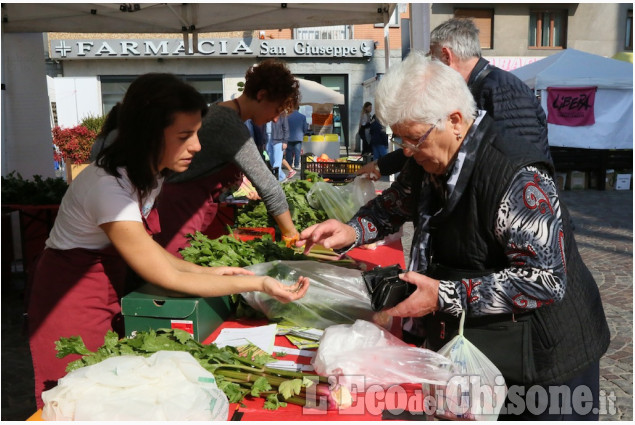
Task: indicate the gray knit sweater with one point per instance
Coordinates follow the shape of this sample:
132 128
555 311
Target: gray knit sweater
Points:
225 138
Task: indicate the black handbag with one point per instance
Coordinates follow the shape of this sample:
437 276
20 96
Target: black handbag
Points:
505 339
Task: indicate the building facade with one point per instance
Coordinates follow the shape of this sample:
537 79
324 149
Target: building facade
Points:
88 73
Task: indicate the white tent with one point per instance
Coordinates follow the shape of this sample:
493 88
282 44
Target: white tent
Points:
613 128
185 17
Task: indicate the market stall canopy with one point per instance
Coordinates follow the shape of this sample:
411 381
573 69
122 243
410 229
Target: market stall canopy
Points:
612 106
312 92
185 17
574 68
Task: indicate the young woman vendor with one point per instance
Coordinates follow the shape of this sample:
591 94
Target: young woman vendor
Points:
105 222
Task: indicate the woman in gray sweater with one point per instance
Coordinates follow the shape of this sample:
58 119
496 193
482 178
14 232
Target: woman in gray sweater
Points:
189 200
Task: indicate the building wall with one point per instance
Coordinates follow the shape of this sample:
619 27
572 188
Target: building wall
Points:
596 28
233 70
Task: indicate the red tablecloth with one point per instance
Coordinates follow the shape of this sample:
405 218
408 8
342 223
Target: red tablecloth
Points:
383 255
365 407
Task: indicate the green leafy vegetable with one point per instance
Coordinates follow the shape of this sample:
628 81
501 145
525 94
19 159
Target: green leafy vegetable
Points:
303 215
236 375
228 251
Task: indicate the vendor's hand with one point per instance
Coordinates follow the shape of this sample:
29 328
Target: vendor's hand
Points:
284 293
284 146
253 196
424 300
228 271
331 234
371 170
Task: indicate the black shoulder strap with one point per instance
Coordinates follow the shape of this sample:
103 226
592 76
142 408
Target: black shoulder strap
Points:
477 85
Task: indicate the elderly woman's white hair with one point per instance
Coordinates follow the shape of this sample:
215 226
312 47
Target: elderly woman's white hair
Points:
422 90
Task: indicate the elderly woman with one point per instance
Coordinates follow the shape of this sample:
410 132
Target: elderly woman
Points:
491 239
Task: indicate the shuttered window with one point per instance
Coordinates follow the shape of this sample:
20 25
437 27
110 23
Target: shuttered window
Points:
547 29
484 21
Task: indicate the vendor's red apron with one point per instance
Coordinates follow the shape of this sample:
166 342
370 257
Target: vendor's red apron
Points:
191 206
75 292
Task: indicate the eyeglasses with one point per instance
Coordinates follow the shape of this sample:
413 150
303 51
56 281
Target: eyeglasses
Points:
403 144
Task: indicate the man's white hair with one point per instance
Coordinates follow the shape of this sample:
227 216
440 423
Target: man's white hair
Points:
422 90
458 34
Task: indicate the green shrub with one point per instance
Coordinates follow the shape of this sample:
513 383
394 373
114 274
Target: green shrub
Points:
94 122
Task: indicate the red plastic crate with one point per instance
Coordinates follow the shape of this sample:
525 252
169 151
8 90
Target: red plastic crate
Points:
249 233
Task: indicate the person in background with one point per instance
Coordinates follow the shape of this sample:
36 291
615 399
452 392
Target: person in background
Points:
378 138
298 127
510 102
364 125
104 226
496 246
278 135
189 200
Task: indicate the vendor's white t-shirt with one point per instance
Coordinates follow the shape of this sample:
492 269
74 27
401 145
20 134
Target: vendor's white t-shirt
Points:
95 197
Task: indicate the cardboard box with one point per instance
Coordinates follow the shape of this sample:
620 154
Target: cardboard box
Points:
623 182
578 180
149 308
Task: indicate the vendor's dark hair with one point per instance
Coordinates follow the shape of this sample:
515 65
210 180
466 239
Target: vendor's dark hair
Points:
273 76
148 107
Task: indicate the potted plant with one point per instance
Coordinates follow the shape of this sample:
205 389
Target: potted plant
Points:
74 144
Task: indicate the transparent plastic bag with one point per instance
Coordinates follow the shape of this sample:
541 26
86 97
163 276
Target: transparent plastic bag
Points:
364 350
167 386
342 202
336 295
477 388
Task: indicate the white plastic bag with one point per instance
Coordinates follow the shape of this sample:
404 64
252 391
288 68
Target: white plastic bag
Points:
336 295
341 202
167 386
477 388
364 350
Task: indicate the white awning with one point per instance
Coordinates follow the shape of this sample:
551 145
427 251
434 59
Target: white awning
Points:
185 17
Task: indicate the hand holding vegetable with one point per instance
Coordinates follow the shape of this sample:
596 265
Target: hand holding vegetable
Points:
330 234
284 293
424 300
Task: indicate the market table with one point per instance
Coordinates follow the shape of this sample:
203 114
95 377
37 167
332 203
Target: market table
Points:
365 407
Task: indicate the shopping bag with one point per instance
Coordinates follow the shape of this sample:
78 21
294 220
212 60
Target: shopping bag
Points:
363 355
337 295
167 386
477 389
342 202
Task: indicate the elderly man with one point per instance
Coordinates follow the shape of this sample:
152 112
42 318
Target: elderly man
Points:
509 101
